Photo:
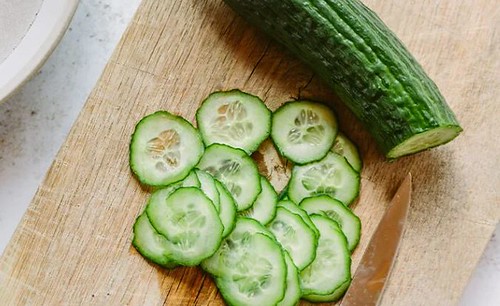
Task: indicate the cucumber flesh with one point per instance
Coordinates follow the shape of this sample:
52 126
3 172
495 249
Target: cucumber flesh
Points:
164 148
332 176
296 237
236 170
150 244
190 222
303 131
430 138
227 211
332 266
264 207
234 118
345 147
349 223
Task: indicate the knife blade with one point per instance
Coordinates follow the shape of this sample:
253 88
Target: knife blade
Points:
375 266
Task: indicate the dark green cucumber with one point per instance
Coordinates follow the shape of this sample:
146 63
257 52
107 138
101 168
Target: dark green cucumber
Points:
370 69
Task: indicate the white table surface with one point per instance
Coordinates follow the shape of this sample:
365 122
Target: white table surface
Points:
35 121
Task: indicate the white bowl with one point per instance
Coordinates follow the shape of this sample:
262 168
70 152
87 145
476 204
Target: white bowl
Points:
34 29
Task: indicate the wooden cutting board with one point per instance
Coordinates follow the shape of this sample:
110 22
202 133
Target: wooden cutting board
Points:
73 244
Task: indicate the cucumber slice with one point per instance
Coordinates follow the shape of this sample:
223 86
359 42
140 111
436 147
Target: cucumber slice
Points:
207 185
296 237
234 118
264 207
294 208
161 195
150 244
332 266
338 212
335 296
227 212
163 149
332 176
303 131
243 228
189 220
345 147
254 271
147 240
236 170
293 291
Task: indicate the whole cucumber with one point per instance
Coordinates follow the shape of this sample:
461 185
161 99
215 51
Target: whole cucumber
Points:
368 67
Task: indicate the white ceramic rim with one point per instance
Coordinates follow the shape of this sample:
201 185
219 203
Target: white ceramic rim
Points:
41 39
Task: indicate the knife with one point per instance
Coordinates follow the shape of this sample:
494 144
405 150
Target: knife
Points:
374 269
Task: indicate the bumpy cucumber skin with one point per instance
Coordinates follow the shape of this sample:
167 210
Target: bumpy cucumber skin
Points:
353 51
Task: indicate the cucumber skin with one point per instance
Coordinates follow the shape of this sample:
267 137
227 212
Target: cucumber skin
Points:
352 50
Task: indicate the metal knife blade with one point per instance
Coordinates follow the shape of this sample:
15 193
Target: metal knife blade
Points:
374 269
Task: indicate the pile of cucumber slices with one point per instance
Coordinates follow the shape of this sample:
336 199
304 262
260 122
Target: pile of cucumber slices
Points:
212 208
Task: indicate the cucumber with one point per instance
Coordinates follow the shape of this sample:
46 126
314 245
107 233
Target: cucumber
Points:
244 227
227 211
191 180
236 170
150 244
255 272
162 194
332 176
344 146
349 223
352 50
264 207
234 118
333 297
303 131
248 226
332 266
164 148
293 291
294 208
189 221
249 268
207 185
296 237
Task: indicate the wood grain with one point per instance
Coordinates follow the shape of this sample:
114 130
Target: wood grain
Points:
73 244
